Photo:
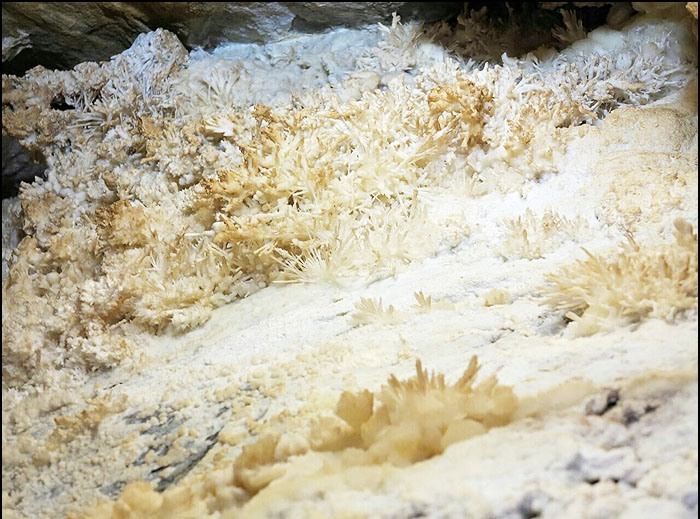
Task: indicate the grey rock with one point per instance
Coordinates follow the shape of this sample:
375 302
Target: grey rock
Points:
690 501
208 24
321 15
13 45
59 35
593 464
63 34
18 166
12 231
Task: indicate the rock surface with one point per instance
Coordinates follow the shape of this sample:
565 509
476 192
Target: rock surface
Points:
63 34
59 35
606 423
17 166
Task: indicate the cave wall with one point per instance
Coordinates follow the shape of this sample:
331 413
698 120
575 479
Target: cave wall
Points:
59 35
63 34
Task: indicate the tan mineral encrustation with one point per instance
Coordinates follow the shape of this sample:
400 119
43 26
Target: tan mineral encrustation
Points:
440 263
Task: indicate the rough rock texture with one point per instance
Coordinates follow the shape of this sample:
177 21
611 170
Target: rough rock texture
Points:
17 166
63 34
59 35
325 14
67 33
159 160
124 166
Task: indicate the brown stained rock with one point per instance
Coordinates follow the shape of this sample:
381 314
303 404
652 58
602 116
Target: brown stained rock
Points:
692 7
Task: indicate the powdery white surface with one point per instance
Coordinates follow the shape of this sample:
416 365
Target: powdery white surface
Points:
284 354
298 64
293 348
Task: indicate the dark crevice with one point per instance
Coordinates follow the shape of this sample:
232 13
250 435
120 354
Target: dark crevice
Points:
19 165
60 104
186 466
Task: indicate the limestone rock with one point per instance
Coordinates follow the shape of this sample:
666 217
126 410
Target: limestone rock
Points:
320 15
17 166
63 34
